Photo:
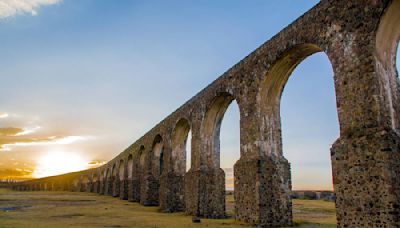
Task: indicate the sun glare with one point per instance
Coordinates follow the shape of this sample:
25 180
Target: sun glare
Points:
55 163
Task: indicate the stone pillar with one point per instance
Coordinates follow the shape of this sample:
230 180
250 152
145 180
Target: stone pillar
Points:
171 193
123 194
149 190
94 187
172 185
89 186
366 173
116 187
101 187
110 183
149 185
135 186
204 182
262 191
205 193
130 190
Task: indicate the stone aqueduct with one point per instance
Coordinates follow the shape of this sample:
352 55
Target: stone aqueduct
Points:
360 39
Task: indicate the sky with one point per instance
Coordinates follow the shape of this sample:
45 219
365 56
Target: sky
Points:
82 80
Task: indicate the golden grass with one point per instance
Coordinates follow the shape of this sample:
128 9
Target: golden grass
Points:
66 209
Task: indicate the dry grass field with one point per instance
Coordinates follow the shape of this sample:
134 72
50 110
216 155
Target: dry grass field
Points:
66 209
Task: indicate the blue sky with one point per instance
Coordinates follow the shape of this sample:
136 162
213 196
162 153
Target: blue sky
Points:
103 74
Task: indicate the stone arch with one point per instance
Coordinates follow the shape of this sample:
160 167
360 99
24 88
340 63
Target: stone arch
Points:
84 183
114 180
210 159
114 170
138 171
308 113
150 183
157 161
121 170
95 183
387 41
211 127
172 184
108 182
129 168
123 182
103 180
271 92
75 185
179 140
142 159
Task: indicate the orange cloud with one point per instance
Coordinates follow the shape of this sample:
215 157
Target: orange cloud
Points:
10 131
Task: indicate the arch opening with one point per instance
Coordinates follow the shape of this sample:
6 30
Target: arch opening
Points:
84 183
114 180
108 183
130 167
158 156
121 170
221 132
230 151
75 184
142 159
310 123
180 136
301 119
189 151
103 183
95 183
211 129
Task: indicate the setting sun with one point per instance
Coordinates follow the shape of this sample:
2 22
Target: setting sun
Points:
57 162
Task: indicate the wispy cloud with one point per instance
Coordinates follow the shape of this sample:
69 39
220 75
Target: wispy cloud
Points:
9 8
3 115
96 163
27 131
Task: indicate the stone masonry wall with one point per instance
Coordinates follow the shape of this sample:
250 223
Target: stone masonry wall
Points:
359 38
